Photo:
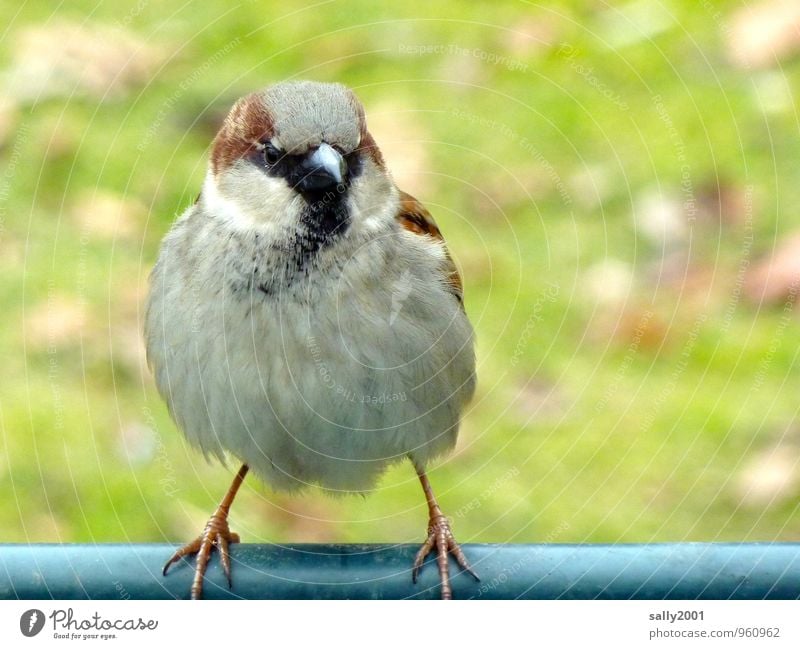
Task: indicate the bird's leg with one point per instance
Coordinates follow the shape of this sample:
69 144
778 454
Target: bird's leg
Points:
440 537
216 533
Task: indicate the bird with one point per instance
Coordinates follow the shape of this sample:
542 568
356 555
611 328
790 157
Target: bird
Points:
306 318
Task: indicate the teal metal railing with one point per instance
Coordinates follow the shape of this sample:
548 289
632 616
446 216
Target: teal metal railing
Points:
658 571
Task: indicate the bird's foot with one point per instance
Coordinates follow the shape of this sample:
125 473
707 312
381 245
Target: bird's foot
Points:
440 536
216 533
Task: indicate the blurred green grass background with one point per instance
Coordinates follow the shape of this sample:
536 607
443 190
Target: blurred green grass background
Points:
618 183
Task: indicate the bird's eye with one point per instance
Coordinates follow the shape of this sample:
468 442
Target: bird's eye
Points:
271 154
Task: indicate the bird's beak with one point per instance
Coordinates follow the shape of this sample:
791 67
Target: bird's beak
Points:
323 168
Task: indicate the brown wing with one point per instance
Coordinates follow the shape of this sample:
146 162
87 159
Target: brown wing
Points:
415 218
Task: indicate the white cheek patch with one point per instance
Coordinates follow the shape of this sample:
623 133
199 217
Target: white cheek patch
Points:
248 198
217 204
373 201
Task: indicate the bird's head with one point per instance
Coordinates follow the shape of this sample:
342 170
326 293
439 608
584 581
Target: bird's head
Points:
297 153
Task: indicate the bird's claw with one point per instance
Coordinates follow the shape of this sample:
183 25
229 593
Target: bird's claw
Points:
440 536
216 533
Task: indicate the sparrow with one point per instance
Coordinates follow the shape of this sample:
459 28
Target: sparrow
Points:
305 316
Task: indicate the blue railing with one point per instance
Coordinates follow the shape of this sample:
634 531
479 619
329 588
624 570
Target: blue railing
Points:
658 571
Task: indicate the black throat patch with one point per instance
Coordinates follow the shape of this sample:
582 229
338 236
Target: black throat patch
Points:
323 219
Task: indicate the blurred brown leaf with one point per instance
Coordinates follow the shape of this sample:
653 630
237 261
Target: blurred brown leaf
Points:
532 36
299 518
771 476
497 192
774 278
127 347
690 280
60 58
126 302
632 324
641 327
402 140
537 399
11 251
43 527
8 118
58 320
724 203
465 71
592 185
105 215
